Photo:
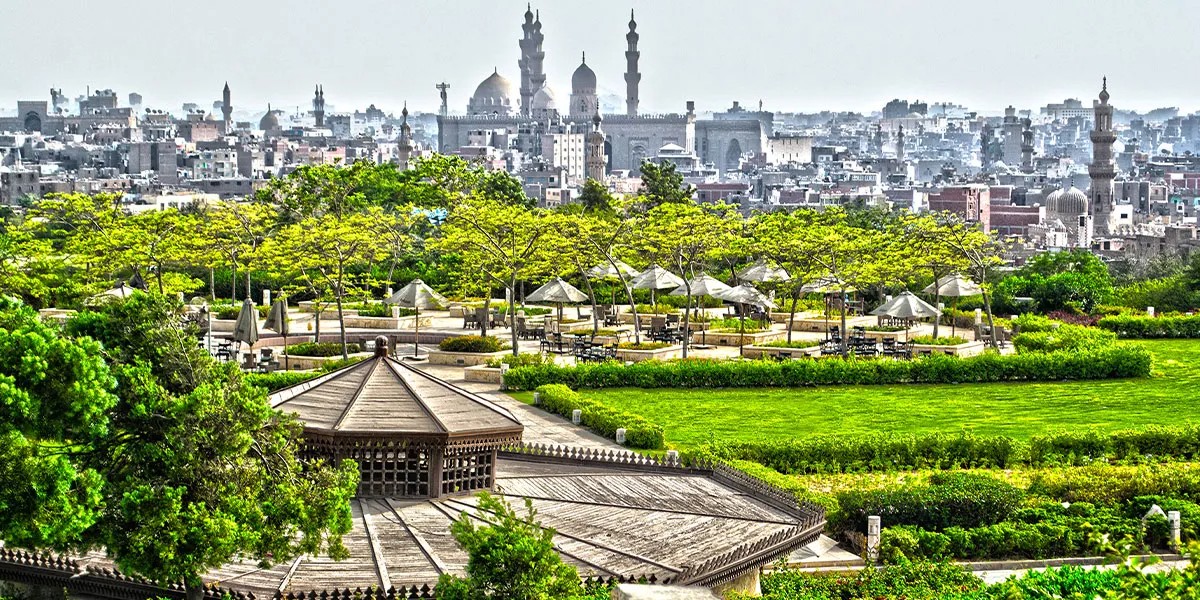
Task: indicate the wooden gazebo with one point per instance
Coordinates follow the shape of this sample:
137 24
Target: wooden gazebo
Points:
412 435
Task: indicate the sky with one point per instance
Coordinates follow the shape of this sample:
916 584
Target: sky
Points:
793 55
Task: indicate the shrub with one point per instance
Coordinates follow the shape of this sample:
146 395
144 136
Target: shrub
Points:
379 309
791 344
1064 337
886 328
526 359
908 581
604 420
341 363
1134 445
1046 539
877 452
1030 322
1071 318
279 379
225 312
1117 361
663 309
950 500
1108 484
642 345
530 311
1140 326
471 343
939 341
321 349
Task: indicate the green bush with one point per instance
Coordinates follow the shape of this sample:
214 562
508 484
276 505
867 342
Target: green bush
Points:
1064 337
642 345
321 349
379 309
278 380
929 340
471 343
1013 540
950 500
791 344
604 420
1030 323
877 452
1110 484
525 359
225 312
1141 326
1114 362
1149 444
663 309
908 581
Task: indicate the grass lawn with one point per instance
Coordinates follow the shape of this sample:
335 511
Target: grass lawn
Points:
1019 410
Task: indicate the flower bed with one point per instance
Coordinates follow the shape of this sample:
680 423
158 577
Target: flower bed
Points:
1118 361
954 346
821 324
409 322
467 350
321 349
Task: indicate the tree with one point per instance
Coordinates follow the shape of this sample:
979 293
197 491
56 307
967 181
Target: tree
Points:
1071 280
197 469
86 229
509 557
235 230
662 184
595 197
328 251
686 236
982 252
30 269
926 250
781 238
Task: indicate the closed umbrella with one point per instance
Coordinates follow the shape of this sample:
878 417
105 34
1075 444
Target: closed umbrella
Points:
745 294
245 328
417 295
278 321
558 292
704 285
954 286
656 278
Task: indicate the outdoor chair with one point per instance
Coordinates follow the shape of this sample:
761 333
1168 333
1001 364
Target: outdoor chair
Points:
858 332
470 320
889 347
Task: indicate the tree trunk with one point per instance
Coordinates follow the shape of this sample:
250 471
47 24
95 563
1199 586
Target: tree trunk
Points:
193 590
987 307
637 322
936 301
249 293
212 283
512 308
845 335
317 320
158 276
592 295
341 323
792 315
687 310
487 311
233 285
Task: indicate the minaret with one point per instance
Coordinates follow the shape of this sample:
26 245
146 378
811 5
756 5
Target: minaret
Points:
985 147
319 105
1027 147
227 109
404 145
526 43
441 88
632 76
1102 170
537 76
877 140
595 161
900 143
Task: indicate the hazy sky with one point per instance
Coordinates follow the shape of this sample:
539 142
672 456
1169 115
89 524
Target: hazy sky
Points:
792 54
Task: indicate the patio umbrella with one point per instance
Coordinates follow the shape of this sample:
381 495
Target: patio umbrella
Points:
745 294
245 328
955 286
558 292
656 278
278 321
762 272
417 295
120 292
907 306
704 285
606 271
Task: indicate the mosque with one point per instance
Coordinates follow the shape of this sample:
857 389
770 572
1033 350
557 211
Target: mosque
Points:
527 111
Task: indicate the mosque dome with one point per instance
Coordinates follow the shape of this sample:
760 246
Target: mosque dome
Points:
269 121
584 78
1069 203
494 94
544 99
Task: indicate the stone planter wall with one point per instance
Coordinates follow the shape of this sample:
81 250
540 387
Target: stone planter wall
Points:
773 352
387 322
483 374
304 363
463 359
967 349
737 339
222 325
666 353
899 336
819 324
782 317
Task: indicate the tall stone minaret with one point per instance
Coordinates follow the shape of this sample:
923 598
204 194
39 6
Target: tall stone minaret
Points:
537 76
1027 146
1102 170
318 104
227 109
900 143
594 160
404 144
526 43
632 76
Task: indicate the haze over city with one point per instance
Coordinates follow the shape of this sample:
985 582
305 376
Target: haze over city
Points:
793 55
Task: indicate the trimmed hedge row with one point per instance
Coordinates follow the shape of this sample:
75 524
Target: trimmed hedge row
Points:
471 343
279 379
950 500
903 452
1137 326
323 349
639 433
1113 362
1064 337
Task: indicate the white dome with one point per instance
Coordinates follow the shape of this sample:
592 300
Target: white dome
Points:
494 95
1069 203
544 99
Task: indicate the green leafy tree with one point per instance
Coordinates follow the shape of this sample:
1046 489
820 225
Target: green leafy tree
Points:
663 184
509 557
781 237
595 197
1070 280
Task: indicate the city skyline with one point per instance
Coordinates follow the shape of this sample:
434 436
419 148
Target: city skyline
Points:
688 53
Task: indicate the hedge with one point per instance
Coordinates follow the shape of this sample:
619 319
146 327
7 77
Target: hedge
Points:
950 500
604 420
904 452
321 349
1113 362
471 343
279 379
1137 326
1064 337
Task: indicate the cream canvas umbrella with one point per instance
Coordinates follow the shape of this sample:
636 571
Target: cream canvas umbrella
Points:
417 295
245 328
558 292
954 286
907 306
656 278
704 285
762 272
278 321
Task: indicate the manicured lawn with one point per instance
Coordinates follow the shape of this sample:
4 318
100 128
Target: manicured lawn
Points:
1020 410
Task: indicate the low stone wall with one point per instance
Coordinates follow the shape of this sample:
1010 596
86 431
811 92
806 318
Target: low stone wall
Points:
725 338
304 363
773 352
387 322
967 349
666 353
821 325
483 374
463 359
